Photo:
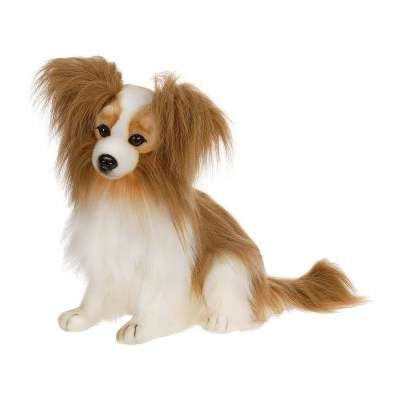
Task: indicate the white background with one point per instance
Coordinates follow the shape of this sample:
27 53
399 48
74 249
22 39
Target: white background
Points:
313 92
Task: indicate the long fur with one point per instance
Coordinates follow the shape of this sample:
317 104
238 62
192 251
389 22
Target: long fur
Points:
324 288
76 90
191 129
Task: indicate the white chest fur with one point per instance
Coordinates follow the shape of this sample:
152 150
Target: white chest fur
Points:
132 257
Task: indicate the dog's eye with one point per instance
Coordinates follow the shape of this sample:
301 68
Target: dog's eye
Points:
104 130
137 140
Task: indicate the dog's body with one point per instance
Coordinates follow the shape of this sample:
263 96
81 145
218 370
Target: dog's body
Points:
137 265
150 245
124 253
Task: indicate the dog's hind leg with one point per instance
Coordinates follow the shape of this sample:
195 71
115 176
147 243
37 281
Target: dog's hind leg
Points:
227 295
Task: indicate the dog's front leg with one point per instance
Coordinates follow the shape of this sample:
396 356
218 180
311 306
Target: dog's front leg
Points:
156 318
87 314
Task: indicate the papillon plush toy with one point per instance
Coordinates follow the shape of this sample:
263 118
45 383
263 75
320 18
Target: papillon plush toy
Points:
150 245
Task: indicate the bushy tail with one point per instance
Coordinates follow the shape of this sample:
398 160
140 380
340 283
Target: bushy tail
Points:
324 288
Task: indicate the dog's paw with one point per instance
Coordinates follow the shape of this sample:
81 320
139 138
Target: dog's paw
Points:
134 333
222 324
218 324
73 320
129 333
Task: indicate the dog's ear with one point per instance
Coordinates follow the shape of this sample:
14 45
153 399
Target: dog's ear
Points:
191 127
76 89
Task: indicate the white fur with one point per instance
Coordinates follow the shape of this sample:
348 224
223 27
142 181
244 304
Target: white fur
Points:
125 154
136 265
227 293
131 99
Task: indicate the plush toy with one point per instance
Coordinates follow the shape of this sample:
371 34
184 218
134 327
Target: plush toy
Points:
150 245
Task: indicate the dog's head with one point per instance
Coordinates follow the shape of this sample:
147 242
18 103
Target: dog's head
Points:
124 129
116 131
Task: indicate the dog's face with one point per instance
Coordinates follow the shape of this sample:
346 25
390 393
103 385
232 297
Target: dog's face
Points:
105 128
124 129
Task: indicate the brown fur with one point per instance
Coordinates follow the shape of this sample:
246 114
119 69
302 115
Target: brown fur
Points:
324 288
191 128
144 124
186 129
77 89
108 115
219 233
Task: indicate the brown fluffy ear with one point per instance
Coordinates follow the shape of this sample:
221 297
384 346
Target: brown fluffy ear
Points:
192 128
76 90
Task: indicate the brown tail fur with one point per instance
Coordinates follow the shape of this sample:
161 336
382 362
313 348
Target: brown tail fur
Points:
324 288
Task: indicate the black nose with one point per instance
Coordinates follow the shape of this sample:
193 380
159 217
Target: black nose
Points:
107 163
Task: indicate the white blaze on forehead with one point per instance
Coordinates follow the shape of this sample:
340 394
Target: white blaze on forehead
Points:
131 99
